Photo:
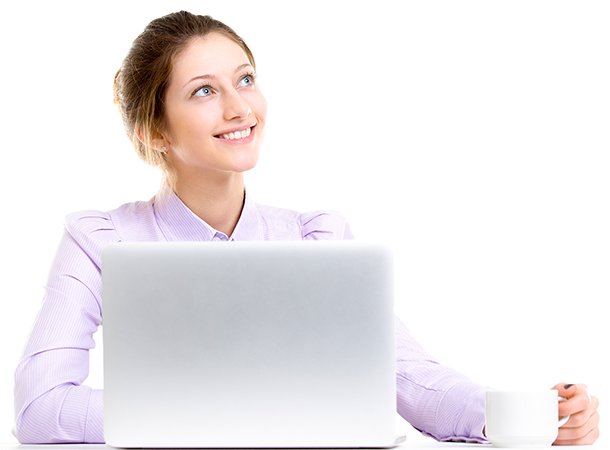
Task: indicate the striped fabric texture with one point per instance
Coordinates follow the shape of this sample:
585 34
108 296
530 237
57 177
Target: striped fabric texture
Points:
52 403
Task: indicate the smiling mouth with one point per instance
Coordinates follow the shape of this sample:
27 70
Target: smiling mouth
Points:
235 135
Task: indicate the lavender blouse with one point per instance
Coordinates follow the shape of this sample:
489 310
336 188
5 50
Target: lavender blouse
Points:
52 405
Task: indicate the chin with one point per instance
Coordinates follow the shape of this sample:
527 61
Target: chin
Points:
246 163
245 168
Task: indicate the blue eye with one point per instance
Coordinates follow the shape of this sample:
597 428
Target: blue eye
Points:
247 80
203 91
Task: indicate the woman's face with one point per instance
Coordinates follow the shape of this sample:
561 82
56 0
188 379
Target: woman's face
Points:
215 113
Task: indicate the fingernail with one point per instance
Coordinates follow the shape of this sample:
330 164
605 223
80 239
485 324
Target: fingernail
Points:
567 386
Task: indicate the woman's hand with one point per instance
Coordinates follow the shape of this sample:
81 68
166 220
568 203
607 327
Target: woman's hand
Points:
583 426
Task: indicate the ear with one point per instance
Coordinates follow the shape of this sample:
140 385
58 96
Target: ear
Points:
159 142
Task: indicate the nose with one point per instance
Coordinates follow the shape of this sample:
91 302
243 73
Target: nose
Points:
235 106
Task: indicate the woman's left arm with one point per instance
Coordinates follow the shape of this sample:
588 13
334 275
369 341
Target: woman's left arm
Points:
583 426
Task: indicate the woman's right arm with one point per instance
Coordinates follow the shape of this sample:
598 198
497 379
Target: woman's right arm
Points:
51 404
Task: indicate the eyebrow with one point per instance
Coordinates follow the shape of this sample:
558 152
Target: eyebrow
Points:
211 77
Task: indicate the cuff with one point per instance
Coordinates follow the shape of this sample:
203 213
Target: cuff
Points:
82 416
94 425
468 419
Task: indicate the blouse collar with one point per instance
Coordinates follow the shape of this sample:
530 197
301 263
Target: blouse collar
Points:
178 223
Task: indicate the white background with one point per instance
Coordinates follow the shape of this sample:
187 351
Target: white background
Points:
471 135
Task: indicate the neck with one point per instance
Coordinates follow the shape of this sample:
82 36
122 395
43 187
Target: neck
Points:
216 200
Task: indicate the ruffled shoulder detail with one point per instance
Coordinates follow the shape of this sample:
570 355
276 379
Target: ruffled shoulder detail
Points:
91 231
328 225
278 224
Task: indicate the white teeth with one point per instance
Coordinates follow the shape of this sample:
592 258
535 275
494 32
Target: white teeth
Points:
237 134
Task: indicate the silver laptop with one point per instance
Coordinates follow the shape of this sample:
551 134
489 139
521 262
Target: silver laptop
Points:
248 345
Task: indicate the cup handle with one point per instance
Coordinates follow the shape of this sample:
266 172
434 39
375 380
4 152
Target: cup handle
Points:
562 420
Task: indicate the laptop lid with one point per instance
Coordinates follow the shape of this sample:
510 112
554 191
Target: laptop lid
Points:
248 344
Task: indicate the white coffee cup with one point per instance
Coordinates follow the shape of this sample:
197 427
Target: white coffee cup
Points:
522 418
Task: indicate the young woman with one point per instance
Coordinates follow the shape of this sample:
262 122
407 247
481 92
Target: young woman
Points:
190 103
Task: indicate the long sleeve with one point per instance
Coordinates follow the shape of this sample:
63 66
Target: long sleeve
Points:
435 399
51 403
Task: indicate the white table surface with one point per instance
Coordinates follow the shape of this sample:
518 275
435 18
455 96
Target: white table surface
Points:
413 445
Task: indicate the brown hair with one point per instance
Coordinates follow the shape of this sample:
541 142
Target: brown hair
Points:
141 82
